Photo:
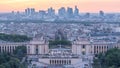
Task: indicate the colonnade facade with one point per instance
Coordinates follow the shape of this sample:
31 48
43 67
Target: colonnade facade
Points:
33 47
78 47
10 47
88 48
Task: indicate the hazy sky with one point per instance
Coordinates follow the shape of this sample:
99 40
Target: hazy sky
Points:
83 5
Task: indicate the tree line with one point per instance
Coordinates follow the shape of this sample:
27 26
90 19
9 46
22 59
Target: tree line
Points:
14 37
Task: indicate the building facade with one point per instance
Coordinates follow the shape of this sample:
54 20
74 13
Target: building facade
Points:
79 55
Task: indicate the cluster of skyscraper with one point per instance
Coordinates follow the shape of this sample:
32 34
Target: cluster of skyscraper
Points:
62 12
29 11
69 12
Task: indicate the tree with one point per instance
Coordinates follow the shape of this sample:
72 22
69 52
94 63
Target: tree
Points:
1 66
6 65
63 43
110 59
11 61
20 52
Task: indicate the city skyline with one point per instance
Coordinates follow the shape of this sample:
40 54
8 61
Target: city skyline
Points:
83 6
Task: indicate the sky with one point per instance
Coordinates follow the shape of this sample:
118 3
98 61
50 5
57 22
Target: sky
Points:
83 5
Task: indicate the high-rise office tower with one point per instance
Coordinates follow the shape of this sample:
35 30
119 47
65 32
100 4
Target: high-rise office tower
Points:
51 12
13 13
29 11
32 11
62 12
101 13
42 13
76 11
87 15
69 12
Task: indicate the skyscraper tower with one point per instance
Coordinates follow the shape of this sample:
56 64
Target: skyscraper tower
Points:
69 12
29 11
42 13
62 12
101 13
76 11
32 11
51 12
87 15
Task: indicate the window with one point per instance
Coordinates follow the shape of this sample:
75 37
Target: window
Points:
83 46
65 62
50 62
36 49
69 62
55 61
10 49
5 48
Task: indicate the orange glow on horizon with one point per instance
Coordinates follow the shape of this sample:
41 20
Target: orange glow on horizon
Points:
84 6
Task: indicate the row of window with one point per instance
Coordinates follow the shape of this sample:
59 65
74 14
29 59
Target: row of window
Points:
60 62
